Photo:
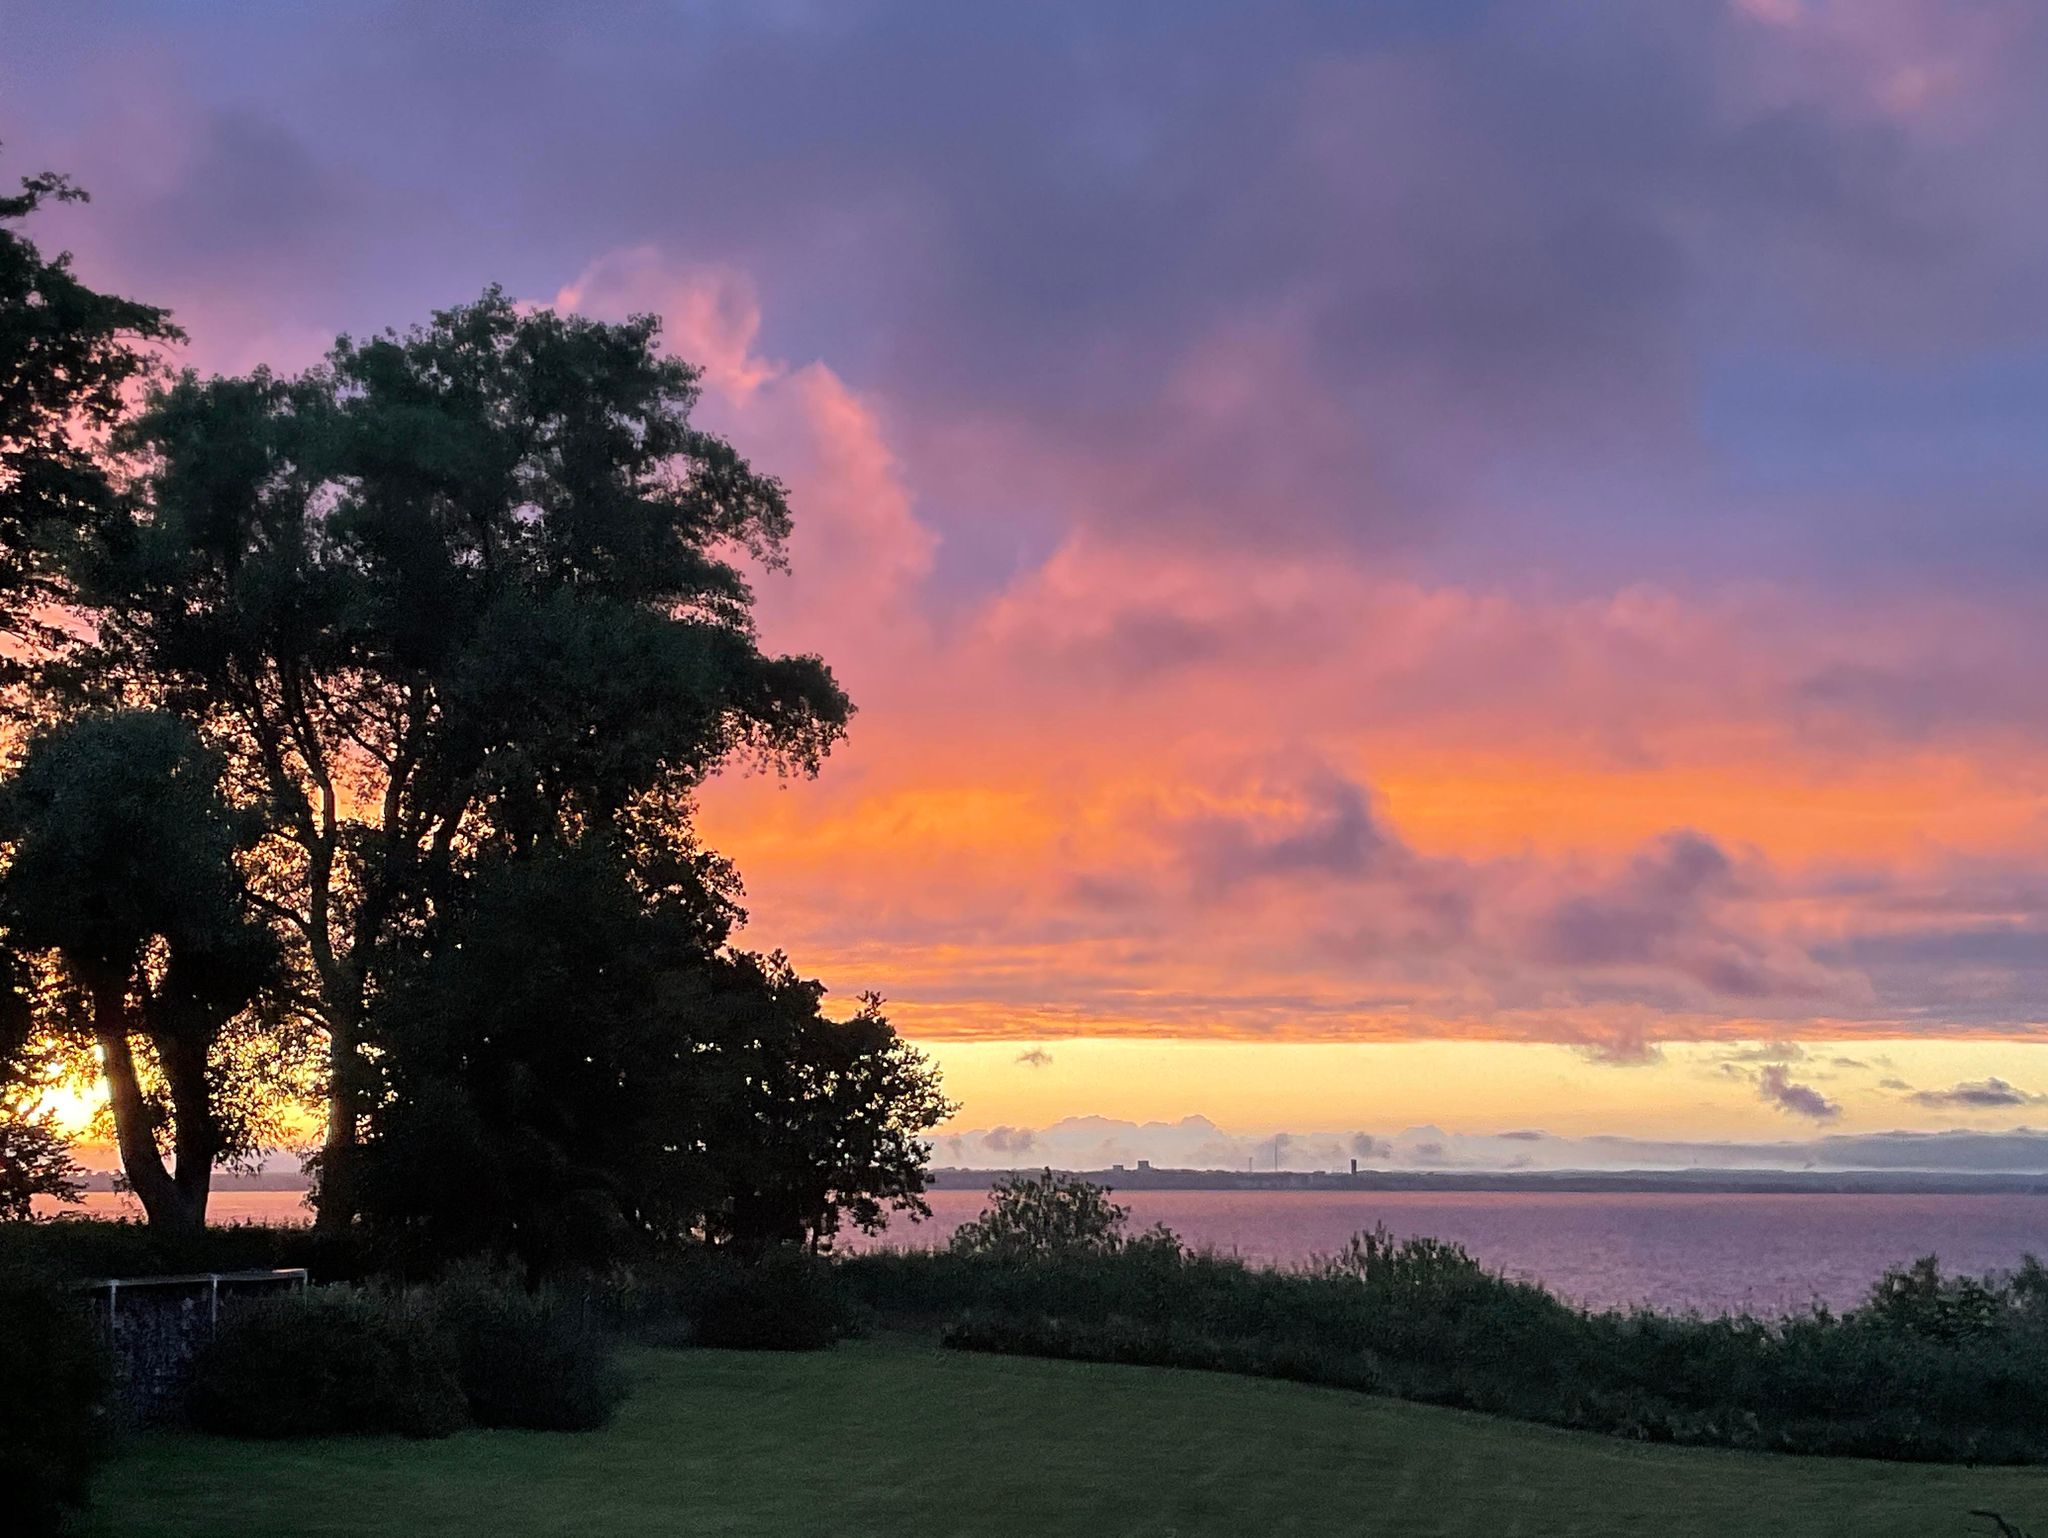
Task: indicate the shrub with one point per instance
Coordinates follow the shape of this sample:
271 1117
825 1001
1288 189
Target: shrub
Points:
652 1302
1919 1300
785 1301
1029 1217
335 1360
526 1359
1419 1265
53 1384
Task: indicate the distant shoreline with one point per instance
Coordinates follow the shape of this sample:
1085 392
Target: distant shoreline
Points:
1733 1182
1728 1182
282 1180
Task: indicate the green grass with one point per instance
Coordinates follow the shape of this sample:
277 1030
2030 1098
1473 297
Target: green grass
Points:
912 1442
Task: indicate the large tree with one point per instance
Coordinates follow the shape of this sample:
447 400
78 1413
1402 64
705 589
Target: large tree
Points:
68 354
123 889
580 1067
457 593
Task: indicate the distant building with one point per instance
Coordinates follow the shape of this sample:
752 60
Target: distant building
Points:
1354 1166
1116 1169
1144 1164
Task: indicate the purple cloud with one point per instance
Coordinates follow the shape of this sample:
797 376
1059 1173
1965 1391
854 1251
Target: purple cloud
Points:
1776 1088
1978 1095
1331 832
1442 259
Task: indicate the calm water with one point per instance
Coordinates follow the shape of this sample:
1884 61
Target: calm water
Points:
228 1206
1766 1254
1716 1253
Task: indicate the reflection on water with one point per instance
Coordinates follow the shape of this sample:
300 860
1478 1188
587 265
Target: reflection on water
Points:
225 1206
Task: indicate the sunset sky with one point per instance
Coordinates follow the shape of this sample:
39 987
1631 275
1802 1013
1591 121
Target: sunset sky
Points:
1434 562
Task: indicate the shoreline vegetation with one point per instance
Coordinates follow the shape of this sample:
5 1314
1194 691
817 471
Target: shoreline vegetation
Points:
1931 1366
1375 1358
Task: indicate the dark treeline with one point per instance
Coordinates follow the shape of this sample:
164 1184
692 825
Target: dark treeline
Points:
359 714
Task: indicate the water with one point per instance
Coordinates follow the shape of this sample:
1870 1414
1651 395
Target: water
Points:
1716 1253
224 1206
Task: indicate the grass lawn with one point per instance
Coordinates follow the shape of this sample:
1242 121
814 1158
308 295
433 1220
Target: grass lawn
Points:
910 1441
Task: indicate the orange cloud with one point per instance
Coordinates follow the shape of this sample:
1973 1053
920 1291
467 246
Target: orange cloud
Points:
1145 790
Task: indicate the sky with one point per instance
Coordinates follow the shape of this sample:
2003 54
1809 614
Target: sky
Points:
1426 565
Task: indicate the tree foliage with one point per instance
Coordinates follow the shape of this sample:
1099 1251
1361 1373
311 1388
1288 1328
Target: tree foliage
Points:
582 1067
35 1158
389 688
67 355
1049 1214
453 594
123 878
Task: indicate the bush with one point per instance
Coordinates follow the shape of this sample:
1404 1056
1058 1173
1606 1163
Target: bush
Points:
1919 1300
54 1377
1030 1217
784 1301
525 1359
333 1361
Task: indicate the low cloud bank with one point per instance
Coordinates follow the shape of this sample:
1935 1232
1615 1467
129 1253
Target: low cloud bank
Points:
1195 1142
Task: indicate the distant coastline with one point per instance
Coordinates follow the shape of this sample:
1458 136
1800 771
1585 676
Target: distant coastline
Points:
1732 1182
1706 1182
262 1180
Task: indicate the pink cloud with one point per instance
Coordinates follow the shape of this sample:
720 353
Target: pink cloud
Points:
859 549
1141 789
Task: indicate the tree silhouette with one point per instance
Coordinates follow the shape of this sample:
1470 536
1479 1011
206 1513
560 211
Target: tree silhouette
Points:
459 591
124 875
578 1067
67 354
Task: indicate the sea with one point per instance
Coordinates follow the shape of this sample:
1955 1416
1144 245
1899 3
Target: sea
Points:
1760 1254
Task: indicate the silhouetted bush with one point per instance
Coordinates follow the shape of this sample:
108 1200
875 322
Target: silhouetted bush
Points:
1931 1368
53 1386
787 1300
1029 1217
335 1360
536 1360
1919 1300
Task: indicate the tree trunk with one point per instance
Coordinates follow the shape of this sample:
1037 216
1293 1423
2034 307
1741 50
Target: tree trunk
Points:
335 1198
163 1203
195 1137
